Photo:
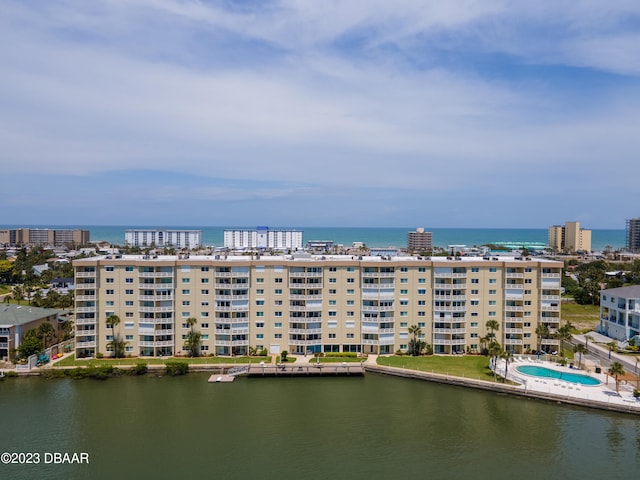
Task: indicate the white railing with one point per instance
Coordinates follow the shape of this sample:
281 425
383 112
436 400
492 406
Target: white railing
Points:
91 344
305 308
85 274
513 308
517 286
550 275
449 297
513 341
547 308
304 297
84 321
379 308
513 330
514 275
85 298
85 309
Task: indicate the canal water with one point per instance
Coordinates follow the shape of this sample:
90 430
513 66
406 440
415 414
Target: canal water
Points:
310 428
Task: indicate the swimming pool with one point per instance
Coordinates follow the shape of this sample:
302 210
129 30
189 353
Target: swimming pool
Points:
542 372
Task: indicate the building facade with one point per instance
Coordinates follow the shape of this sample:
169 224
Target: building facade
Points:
620 312
570 238
305 304
633 235
420 241
189 239
263 238
16 320
44 237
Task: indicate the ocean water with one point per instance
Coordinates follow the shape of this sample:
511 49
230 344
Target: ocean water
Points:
372 237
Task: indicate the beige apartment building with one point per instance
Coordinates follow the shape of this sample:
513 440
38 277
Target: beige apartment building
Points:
44 236
306 303
570 238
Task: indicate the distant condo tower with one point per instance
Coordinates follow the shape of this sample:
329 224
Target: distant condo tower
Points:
262 237
44 236
420 241
570 238
633 235
163 238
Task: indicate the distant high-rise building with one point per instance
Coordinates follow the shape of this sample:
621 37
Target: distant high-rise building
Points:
570 238
420 241
262 237
44 237
633 234
164 238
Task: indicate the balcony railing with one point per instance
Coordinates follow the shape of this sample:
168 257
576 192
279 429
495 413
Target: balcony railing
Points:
85 274
91 344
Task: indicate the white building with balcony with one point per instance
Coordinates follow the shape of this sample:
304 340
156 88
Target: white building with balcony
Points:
620 312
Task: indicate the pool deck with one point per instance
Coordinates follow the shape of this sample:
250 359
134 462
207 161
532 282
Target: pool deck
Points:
604 393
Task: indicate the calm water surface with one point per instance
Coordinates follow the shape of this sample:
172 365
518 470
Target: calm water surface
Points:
331 428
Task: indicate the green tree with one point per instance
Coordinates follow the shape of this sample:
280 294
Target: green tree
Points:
116 344
415 344
18 293
564 335
580 350
193 339
507 356
30 344
495 350
542 331
45 332
493 327
6 271
616 370
613 347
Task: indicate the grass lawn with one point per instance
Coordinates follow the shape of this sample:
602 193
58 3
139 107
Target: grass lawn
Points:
468 366
340 359
583 317
71 361
4 289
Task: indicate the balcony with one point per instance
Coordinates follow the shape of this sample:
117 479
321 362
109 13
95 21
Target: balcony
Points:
86 309
85 321
378 308
550 297
231 274
450 297
155 286
85 274
369 341
155 309
513 341
91 344
234 308
305 308
240 331
305 297
450 331
549 308
305 331
378 274
163 343
549 341
516 286
231 343
85 298
305 274
513 308
155 298
550 275
516 331
155 274
449 308
514 275
442 341
4 345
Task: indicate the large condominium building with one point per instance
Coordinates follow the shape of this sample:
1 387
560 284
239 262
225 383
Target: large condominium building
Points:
633 234
620 312
262 237
189 239
44 237
306 304
570 238
420 241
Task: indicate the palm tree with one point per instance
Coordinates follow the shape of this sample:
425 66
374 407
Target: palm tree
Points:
495 350
45 331
616 370
613 345
580 350
586 340
415 345
564 335
116 343
18 293
507 356
542 331
193 338
493 326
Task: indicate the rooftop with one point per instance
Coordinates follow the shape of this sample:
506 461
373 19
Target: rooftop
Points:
11 315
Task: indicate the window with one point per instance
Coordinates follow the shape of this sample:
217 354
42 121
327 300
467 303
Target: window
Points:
186 280
350 335
350 314
277 302
110 292
474 324
259 302
475 269
278 325
527 324
422 291
333 313
404 303
474 314
404 291
351 269
404 269
128 303
403 324
332 335
404 280
351 302
204 304
110 303
528 280
527 292
128 325
351 280
475 280
277 314
404 314
204 280
350 291
492 302
333 269
422 280
259 291
204 314
128 292
492 292
333 302
475 303
128 269
474 335
493 269
278 291
491 314
129 314
422 314
332 292
186 314
186 292
204 292
474 292
421 324
333 280
492 280
204 269
128 280
186 303
259 324
109 269
528 270
277 335
259 314
403 346
422 302
205 325
278 280
129 338
422 269
109 280
259 280
259 335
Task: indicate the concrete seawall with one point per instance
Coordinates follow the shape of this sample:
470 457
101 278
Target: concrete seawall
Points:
500 388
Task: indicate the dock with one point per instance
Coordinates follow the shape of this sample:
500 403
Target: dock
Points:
215 378
306 370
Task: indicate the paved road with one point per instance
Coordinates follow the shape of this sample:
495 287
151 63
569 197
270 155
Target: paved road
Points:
602 353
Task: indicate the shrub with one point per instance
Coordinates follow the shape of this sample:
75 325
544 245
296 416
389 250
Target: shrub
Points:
283 356
99 355
176 368
138 369
341 354
264 352
636 393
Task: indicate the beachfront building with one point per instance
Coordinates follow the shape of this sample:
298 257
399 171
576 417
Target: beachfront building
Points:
420 241
44 237
633 235
189 239
305 303
16 320
263 238
569 238
620 312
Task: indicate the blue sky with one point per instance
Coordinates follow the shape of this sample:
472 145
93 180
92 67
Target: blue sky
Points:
320 113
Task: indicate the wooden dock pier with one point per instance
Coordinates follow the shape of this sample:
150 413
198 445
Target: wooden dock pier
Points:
306 370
